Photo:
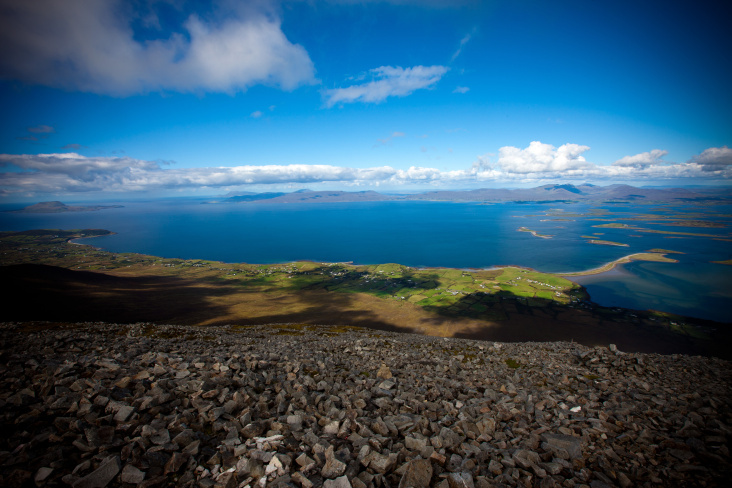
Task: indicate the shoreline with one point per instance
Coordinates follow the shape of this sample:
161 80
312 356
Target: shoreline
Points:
71 241
641 256
649 256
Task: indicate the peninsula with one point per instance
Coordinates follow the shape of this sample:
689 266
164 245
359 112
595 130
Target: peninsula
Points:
79 282
652 255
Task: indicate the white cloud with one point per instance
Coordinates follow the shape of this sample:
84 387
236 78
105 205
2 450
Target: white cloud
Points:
256 114
388 81
89 45
542 158
71 172
714 158
461 89
642 160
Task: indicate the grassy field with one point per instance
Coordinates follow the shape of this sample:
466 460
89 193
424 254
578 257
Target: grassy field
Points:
80 283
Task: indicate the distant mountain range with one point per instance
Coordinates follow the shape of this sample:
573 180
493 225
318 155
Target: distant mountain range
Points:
546 193
59 207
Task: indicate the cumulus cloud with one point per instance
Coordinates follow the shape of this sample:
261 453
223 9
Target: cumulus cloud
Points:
461 89
642 160
388 81
714 158
71 172
542 158
91 46
256 114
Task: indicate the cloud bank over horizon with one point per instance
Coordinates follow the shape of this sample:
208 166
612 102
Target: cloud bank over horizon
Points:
64 173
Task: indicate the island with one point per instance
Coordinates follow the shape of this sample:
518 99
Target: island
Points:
59 207
534 233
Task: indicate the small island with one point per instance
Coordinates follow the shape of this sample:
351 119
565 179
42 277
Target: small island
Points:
59 207
607 243
534 233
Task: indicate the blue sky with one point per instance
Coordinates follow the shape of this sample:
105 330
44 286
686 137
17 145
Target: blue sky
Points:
173 97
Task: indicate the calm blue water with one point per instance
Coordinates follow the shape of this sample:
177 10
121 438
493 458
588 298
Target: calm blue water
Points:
459 235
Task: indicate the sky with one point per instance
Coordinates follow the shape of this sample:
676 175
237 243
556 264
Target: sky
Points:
147 98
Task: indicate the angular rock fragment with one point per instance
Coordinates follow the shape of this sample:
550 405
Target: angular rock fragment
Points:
418 474
102 476
333 467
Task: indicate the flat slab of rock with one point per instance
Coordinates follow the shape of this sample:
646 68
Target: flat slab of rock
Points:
571 444
102 476
417 475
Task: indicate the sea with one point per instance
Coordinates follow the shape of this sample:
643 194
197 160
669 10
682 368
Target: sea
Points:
429 234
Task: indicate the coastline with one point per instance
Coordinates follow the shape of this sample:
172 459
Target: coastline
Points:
71 241
641 256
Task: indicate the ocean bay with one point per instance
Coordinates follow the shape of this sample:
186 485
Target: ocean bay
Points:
431 234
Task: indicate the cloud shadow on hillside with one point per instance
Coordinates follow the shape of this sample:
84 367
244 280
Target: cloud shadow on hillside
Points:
41 292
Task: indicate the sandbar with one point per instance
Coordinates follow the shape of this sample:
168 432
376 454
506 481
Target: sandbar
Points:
642 256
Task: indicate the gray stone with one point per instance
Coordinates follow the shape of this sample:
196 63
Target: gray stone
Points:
302 480
414 444
42 475
460 480
449 438
124 413
102 476
418 474
130 474
331 428
340 482
160 437
333 467
382 463
226 480
571 444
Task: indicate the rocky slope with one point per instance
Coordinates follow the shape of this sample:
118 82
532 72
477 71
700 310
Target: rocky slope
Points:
94 405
